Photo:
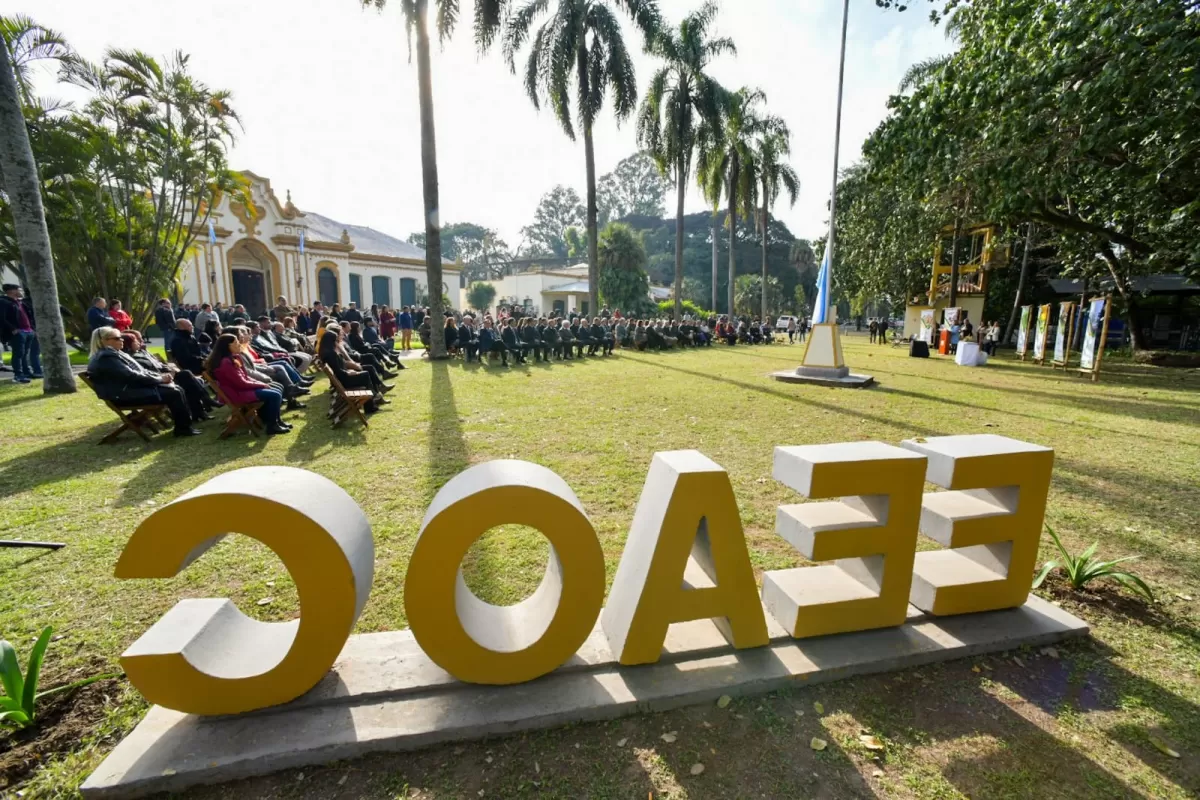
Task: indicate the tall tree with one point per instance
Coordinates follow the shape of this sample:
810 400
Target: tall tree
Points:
724 159
681 100
559 210
623 280
635 186
23 188
582 40
774 176
488 18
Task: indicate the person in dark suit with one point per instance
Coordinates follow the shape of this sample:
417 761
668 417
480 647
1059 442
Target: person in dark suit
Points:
490 341
164 318
467 341
602 339
550 343
117 377
511 342
194 389
349 373
530 341
98 316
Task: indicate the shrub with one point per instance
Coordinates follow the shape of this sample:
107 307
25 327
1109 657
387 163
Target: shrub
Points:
1085 568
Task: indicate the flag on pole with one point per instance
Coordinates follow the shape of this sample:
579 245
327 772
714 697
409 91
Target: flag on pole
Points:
821 310
301 241
212 233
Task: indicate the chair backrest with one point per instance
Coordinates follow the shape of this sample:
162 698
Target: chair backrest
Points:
333 379
217 388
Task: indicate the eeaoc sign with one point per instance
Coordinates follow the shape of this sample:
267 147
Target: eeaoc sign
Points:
206 657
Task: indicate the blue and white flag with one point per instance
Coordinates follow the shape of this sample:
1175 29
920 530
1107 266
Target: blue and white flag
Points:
821 310
212 233
302 241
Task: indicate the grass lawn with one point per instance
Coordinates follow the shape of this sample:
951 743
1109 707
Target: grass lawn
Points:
1078 721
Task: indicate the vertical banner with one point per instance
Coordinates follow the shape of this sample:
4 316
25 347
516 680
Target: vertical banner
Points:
926 332
1098 309
1041 334
1064 333
1023 332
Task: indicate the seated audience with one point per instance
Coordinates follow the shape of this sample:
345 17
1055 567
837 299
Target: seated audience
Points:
194 389
227 368
121 320
118 378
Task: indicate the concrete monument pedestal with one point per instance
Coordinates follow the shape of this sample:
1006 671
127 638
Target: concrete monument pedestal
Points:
823 362
385 694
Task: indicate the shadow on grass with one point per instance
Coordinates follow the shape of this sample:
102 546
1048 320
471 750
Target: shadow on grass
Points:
448 451
63 460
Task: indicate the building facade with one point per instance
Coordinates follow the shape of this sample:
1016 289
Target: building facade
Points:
256 257
543 291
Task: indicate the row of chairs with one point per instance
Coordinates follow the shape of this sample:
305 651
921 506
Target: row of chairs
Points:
145 420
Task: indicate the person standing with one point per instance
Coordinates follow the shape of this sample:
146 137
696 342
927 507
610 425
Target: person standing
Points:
873 327
98 316
791 330
121 319
883 329
17 330
164 318
405 323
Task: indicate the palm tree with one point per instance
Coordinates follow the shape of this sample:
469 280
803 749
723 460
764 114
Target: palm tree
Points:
724 159
682 99
774 175
581 41
488 18
22 42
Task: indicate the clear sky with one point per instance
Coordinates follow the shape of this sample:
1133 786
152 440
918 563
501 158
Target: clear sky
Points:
328 98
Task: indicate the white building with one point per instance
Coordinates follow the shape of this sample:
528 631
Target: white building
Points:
542 291
257 258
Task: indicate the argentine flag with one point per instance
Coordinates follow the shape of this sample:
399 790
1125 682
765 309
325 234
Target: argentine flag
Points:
212 233
821 309
302 241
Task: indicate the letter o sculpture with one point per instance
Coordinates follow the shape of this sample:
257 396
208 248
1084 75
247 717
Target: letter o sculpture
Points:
206 656
481 643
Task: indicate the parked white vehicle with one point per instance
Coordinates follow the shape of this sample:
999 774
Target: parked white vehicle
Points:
781 324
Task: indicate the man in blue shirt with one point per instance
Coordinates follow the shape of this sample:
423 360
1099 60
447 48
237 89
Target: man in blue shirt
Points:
405 323
98 317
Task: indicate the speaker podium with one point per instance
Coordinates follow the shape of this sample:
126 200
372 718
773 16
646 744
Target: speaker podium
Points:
823 361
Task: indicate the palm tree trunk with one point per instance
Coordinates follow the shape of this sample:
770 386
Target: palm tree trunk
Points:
716 258
24 190
733 183
589 153
953 301
429 180
680 190
764 257
1030 233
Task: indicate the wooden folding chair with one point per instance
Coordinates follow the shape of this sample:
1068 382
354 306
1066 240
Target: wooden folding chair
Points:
133 418
240 416
343 402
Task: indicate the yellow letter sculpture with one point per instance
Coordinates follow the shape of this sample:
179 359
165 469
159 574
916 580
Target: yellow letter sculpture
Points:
871 532
687 506
992 519
481 643
205 656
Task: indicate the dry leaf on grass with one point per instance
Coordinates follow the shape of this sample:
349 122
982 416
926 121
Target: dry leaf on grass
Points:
697 768
820 709
723 701
669 737
266 601
818 744
870 742
1162 746
621 742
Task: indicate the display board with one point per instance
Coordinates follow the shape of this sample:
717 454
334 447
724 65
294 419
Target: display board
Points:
1094 337
1064 334
926 332
1041 333
1023 332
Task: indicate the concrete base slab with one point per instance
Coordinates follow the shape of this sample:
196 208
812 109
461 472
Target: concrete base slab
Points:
385 695
818 376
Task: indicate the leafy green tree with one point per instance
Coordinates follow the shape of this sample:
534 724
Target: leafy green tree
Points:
581 41
748 293
623 280
480 296
682 100
728 152
773 176
635 186
24 42
488 18
1082 122
559 210
483 254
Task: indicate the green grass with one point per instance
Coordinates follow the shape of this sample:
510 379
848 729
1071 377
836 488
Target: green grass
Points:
1127 473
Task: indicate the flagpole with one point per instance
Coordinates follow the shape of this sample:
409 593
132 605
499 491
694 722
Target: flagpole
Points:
837 140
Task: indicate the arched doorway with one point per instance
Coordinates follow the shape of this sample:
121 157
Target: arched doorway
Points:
327 286
254 275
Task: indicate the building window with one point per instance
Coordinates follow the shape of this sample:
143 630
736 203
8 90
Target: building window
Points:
408 291
356 288
327 286
381 290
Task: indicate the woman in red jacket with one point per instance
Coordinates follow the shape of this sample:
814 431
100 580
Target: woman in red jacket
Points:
121 319
227 370
387 324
